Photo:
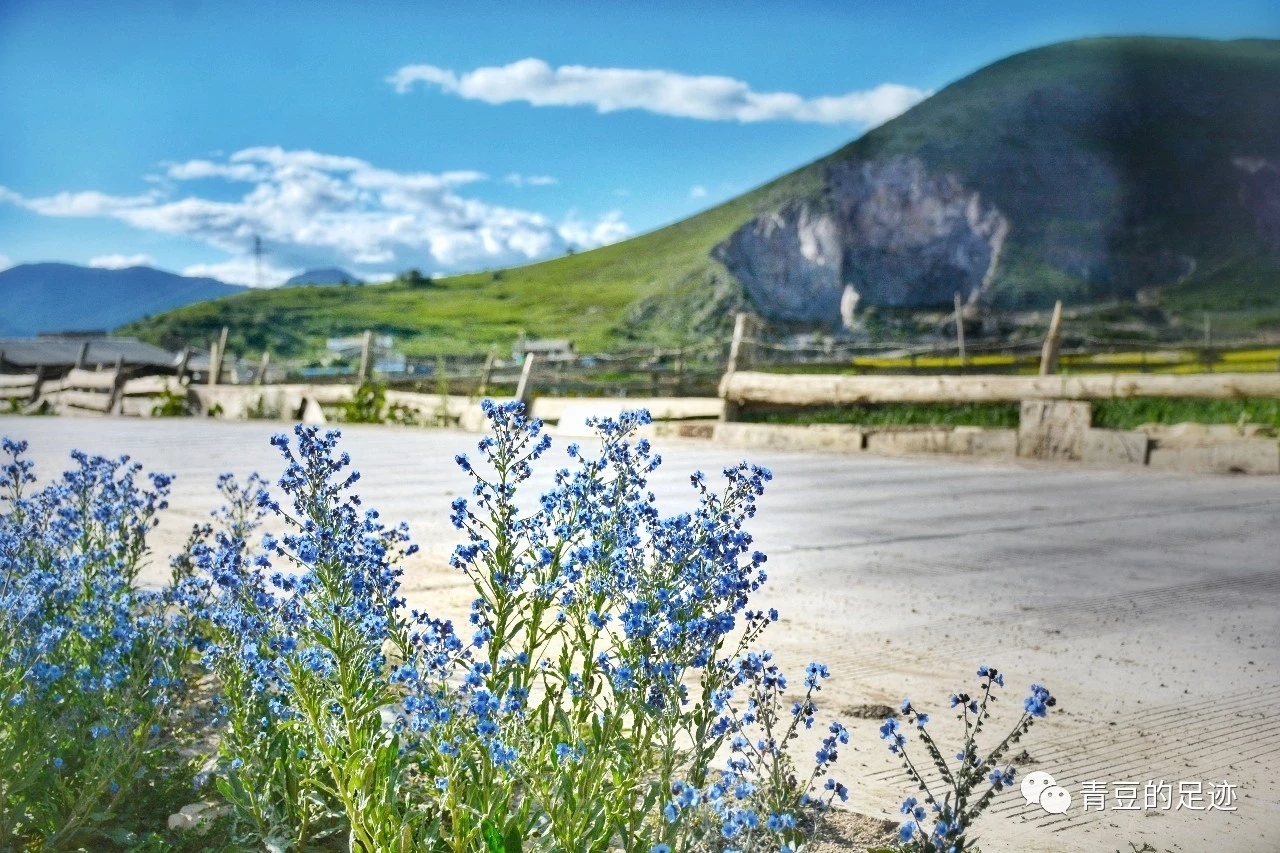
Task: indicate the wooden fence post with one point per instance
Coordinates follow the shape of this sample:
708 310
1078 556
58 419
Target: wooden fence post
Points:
960 328
1049 353
525 388
261 378
735 346
222 351
117 385
83 356
366 358
215 365
486 373
730 410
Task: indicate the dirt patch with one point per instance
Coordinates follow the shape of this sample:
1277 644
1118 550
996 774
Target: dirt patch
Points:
850 832
869 712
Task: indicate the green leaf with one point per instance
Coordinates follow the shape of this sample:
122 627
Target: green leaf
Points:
493 842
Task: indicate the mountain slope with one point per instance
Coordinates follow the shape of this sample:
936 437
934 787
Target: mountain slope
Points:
1098 170
59 297
1090 170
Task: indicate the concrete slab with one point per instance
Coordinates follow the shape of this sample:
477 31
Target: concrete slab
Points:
661 408
963 441
1115 447
1241 456
1053 429
903 442
1204 435
983 441
831 438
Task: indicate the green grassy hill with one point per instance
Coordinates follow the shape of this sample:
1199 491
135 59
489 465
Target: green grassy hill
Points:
1107 170
591 298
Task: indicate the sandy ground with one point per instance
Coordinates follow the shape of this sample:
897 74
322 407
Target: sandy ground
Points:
1149 604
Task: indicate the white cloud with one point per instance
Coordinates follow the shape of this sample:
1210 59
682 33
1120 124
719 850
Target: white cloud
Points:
242 270
312 208
707 97
91 203
518 180
5 263
194 170
607 229
119 262
697 191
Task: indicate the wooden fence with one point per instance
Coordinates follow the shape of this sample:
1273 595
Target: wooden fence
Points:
771 389
18 390
646 373
749 369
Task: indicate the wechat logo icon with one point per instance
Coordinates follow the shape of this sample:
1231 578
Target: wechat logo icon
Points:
1040 788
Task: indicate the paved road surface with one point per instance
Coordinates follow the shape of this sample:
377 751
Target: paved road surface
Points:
1149 603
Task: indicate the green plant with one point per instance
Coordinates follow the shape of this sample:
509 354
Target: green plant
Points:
402 415
443 417
584 713
259 411
895 414
367 405
952 801
92 669
170 404
1134 412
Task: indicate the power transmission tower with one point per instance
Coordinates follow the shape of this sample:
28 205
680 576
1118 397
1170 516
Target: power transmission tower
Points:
258 252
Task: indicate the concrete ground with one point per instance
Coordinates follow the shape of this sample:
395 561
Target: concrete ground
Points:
1148 603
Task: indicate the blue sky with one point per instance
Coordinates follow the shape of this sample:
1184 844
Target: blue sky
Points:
454 136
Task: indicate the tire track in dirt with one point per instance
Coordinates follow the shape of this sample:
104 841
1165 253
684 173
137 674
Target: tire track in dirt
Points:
877 652
1184 715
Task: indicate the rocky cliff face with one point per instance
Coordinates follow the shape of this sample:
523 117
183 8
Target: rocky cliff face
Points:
911 238
1260 194
790 264
894 232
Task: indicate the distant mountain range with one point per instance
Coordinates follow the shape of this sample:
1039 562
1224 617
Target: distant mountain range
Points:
323 275
64 297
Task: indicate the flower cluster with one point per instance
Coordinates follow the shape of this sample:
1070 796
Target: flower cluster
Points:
758 802
631 629
314 647
607 693
91 668
956 805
